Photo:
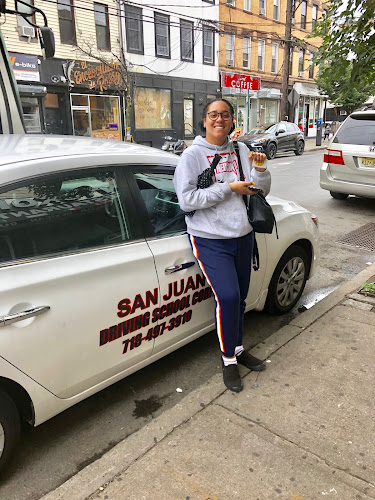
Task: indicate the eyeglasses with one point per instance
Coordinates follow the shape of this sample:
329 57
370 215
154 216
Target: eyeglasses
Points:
214 115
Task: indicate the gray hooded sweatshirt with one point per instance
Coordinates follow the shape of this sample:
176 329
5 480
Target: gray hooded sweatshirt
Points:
220 213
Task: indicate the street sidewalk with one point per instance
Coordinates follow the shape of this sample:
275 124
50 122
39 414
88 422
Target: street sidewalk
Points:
302 429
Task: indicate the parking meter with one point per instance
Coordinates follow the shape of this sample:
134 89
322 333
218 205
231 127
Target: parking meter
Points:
318 132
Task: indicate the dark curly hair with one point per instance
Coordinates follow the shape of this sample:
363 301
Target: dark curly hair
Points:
205 109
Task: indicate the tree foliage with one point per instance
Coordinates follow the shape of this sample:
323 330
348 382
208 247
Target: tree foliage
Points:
346 58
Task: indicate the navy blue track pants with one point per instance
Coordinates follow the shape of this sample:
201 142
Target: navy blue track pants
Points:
226 264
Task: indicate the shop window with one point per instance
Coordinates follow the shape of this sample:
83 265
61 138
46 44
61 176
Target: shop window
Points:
208 45
274 60
246 52
66 213
162 41
152 108
261 49
230 50
102 26
276 10
52 116
134 29
303 14
188 117
66 21
105 117
186 40
31 114
79 100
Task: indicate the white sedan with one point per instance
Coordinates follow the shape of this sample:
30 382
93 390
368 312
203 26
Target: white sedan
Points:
97 275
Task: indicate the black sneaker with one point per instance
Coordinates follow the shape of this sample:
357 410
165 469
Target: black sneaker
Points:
231 377
251 362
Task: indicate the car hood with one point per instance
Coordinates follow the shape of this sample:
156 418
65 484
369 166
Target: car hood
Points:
279 204
255 137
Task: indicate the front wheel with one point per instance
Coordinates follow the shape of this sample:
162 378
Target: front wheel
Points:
10 428
300 148
338 196
288 281
271 151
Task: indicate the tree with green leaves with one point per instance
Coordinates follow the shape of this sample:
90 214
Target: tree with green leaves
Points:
346 58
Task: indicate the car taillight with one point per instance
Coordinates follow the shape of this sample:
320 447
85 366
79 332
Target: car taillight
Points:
333 156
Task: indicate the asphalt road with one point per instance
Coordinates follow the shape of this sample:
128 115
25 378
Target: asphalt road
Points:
51 453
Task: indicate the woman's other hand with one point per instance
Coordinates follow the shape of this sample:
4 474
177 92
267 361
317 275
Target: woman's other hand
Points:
242 187
259 159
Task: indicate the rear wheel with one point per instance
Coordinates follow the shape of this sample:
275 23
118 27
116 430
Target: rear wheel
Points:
10 428
288 281
338 196
271 151
300 148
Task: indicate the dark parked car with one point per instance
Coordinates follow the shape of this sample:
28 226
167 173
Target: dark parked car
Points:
274 137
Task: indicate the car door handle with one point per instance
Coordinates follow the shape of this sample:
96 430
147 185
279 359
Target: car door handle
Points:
13 318
178 267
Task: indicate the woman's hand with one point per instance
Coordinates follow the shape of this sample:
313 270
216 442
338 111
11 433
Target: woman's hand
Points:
242 187
259 159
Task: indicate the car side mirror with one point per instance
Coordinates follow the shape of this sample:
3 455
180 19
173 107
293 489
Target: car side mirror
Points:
277 132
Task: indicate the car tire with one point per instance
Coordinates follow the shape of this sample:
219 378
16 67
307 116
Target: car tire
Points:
288 281
338 196
271 151
10 428
300 148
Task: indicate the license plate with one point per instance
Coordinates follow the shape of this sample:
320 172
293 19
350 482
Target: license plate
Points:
368 162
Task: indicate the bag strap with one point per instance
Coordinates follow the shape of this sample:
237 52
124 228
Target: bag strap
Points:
242 177
245 199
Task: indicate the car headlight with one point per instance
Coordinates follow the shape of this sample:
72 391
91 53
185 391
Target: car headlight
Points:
164 147
260 142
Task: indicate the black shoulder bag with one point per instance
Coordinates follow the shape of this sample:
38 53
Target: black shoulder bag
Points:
259 212
205 178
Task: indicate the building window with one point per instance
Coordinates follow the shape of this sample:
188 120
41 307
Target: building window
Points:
152 108
276 10
301 62
275 54
311 67
246 52
247 5
314 16
66 22
24 28
230 50
261 48
262 7
162 41
134 29
186 40
208 45
303 14
102 26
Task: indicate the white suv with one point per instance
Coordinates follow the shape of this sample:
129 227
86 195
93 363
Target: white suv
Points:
349 161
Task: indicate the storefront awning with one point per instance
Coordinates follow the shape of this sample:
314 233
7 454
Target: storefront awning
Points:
32 90
307 89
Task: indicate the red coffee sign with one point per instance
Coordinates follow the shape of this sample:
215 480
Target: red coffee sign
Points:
237 81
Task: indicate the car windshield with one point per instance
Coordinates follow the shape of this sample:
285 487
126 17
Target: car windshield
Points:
262 129
359 130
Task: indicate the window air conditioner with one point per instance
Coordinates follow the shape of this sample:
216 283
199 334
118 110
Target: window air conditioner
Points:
28 31
301 74
262 11
230 63
230 2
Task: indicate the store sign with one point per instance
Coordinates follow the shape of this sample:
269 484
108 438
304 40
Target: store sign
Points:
25 67
98 76
241 82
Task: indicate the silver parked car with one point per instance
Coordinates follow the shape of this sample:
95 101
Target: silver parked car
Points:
349 161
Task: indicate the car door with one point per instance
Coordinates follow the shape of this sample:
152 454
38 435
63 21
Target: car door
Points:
292 131
187 304
282 137
77 280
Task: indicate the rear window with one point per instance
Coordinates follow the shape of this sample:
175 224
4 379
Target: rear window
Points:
359 130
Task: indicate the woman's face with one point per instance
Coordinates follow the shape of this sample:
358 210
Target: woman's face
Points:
217 128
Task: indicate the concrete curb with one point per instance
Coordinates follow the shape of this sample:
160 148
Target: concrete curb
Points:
87 481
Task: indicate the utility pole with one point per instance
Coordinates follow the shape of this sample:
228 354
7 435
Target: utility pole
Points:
287 45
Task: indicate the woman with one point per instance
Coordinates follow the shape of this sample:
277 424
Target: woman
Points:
220 234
